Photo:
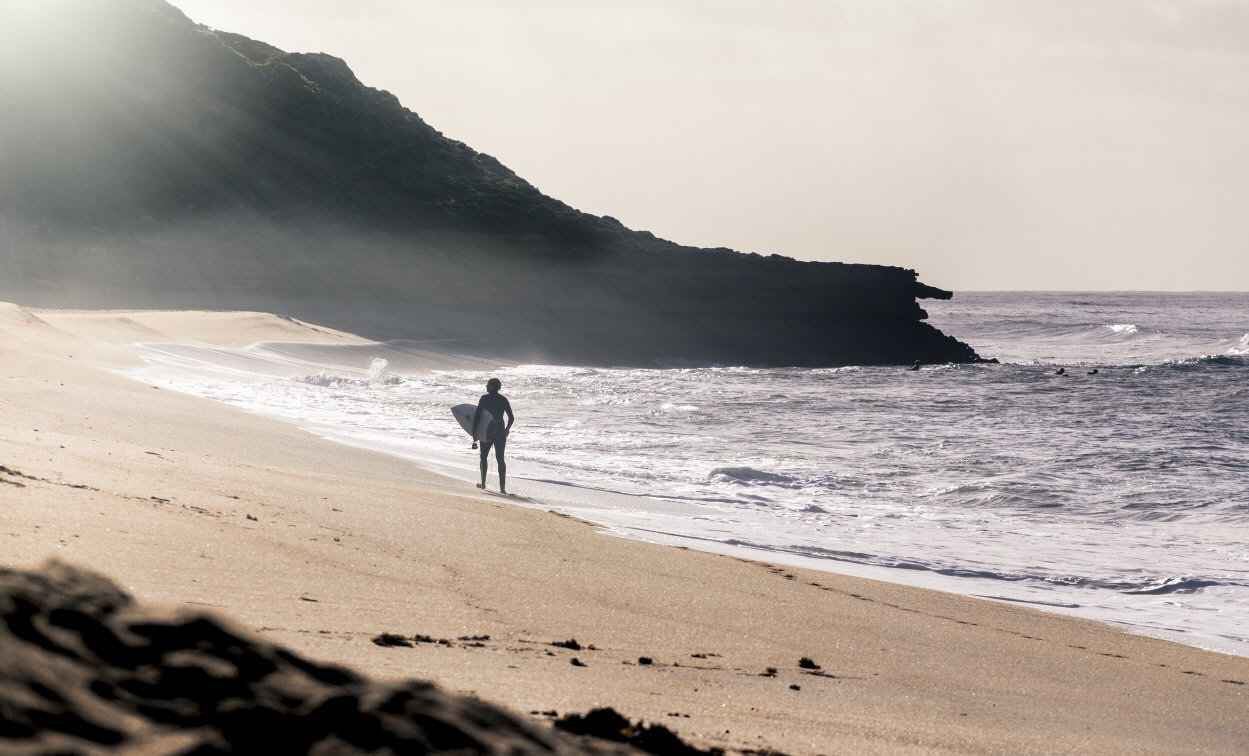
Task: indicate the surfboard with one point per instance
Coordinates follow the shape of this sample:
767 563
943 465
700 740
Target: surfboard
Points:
464 413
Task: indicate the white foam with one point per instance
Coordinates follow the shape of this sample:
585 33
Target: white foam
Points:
1242 347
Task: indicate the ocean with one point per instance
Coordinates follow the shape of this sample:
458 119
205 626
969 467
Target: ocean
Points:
1117 492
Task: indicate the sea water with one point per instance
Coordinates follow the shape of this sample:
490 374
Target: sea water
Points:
1120 495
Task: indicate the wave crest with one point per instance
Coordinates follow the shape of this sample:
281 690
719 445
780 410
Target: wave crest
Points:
749 476
1172 585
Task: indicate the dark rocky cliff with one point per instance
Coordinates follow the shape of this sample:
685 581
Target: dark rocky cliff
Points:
146 160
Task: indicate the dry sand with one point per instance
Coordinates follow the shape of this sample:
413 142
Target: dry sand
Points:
320 547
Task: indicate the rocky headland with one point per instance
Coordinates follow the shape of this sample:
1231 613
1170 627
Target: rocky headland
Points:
149 161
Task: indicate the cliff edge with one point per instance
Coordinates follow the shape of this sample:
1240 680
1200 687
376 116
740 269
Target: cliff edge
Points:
146 160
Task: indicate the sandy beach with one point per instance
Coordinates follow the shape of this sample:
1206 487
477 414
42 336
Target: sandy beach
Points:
322 548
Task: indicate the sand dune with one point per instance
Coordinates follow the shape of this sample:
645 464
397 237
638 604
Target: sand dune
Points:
217 328
320 548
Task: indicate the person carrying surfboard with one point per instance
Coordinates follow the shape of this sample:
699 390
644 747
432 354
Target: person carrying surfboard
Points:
496 434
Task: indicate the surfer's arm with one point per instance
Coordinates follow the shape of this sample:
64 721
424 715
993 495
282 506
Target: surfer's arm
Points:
507 410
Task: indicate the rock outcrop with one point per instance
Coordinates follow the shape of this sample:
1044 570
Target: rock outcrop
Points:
86 670
146 160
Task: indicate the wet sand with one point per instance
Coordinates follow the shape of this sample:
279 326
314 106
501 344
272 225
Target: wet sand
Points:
323 548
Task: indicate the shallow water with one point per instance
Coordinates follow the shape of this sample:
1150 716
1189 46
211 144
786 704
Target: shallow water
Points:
1119 496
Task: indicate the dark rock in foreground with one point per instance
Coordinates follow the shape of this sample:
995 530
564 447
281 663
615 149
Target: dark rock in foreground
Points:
609 724
149 161
83 669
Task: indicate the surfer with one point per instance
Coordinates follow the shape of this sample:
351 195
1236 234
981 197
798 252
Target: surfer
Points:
915 366
496 434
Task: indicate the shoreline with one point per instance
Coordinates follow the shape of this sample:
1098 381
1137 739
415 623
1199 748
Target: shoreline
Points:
319 546
654 517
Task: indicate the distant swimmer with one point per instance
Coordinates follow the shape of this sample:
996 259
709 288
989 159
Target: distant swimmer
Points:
915 366
496 433
1060 371
1092 372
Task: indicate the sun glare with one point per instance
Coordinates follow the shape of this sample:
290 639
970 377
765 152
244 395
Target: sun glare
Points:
21 17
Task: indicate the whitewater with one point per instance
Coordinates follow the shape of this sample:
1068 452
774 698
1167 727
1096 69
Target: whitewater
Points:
1118 491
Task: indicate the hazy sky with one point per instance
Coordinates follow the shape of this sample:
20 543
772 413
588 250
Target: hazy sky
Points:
989 144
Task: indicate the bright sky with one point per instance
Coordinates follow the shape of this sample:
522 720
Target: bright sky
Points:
989 144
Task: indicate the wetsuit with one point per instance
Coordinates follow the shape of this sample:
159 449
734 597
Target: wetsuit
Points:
496 435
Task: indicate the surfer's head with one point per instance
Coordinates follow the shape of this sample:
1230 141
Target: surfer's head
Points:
493 385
